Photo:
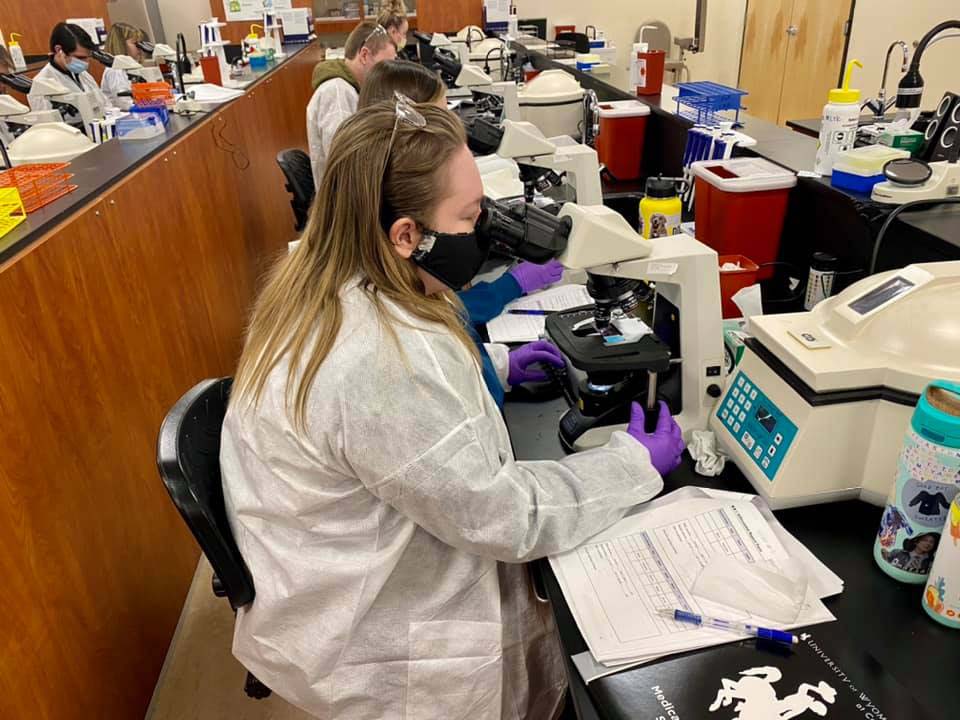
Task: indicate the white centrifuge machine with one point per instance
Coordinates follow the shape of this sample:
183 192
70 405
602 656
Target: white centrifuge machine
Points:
818 407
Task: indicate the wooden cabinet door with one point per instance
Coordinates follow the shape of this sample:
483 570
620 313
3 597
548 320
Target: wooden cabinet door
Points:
814 57
764 55
448 15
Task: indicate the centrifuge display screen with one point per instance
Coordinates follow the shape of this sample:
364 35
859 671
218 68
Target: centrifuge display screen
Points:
891 289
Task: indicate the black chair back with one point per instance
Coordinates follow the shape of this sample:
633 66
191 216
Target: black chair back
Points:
188 458
295 165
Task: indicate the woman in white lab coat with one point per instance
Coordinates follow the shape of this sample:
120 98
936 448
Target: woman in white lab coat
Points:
368 476
121 40
6 67
70 51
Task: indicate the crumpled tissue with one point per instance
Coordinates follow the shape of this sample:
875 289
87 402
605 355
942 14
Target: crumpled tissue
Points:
703 448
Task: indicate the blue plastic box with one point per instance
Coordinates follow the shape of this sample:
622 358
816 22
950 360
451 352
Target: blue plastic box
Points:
856 183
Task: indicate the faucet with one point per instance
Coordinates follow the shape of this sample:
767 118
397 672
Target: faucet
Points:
880 105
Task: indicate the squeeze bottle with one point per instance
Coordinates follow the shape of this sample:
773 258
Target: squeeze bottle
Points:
16 53
841 118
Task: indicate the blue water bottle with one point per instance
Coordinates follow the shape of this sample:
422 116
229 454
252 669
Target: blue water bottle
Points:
928 479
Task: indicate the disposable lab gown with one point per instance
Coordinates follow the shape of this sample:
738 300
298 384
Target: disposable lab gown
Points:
385 542
331 104
74 83
113 83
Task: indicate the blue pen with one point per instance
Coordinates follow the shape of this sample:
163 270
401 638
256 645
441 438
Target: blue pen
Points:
528 312
731 626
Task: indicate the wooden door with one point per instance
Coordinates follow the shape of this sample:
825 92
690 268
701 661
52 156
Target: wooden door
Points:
793 51
814 57
448 15
764 56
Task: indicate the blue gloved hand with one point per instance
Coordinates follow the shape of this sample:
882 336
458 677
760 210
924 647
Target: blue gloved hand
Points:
523 358
532 277
665 444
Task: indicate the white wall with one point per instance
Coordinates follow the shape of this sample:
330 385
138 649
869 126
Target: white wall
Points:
620 20
876 24
183 16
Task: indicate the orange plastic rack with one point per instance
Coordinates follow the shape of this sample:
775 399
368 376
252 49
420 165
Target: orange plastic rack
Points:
39 183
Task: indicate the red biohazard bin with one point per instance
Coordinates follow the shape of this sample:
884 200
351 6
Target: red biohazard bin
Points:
733 281
623 127
651 72
740 208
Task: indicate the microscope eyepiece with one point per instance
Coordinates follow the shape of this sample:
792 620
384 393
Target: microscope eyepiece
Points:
524 231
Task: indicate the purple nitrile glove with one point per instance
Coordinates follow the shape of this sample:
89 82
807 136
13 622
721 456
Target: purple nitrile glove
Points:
665 444
523 358
532 277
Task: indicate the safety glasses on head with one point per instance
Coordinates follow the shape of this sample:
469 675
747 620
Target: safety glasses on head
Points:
377 31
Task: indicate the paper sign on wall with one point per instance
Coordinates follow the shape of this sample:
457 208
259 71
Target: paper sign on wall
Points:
252 9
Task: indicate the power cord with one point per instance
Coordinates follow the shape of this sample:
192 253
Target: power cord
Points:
239 158
893 216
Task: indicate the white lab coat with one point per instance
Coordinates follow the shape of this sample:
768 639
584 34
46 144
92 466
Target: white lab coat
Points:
332 102
113 83
75 83
385 543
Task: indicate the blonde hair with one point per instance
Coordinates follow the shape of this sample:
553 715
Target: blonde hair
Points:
408 78
120 32
366 35
393 13
365 188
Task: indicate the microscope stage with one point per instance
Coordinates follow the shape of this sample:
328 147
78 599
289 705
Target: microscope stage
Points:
591 354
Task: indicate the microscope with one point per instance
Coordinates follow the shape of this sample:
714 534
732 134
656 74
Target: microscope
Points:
543 162
654 331
469 81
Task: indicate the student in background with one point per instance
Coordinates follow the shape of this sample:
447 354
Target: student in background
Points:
6 68
70 50
337 86
121 40
393 18
410 79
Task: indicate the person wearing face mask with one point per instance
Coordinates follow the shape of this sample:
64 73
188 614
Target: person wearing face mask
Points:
393 18
483 301
70 51
121 40
337 86
368 476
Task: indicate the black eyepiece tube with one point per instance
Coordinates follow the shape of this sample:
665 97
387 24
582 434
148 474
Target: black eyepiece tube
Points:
524 231
20 83
103 57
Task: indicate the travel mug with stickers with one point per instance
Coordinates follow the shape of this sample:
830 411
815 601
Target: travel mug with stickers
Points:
928 479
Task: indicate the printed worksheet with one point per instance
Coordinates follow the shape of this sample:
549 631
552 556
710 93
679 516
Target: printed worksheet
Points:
507 328
619 581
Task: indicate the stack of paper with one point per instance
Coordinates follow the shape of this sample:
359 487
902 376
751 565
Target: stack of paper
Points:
619 581
508 328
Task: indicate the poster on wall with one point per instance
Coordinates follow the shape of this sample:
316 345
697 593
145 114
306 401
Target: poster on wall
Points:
497 10
252 9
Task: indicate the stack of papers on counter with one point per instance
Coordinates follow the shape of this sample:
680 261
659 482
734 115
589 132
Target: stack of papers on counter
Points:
617 582
509 328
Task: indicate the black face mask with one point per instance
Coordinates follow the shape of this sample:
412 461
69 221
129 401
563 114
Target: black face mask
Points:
452 258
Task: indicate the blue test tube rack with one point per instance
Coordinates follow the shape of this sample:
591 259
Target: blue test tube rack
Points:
702 102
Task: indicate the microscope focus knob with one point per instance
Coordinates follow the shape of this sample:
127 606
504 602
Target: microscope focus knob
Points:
714 390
